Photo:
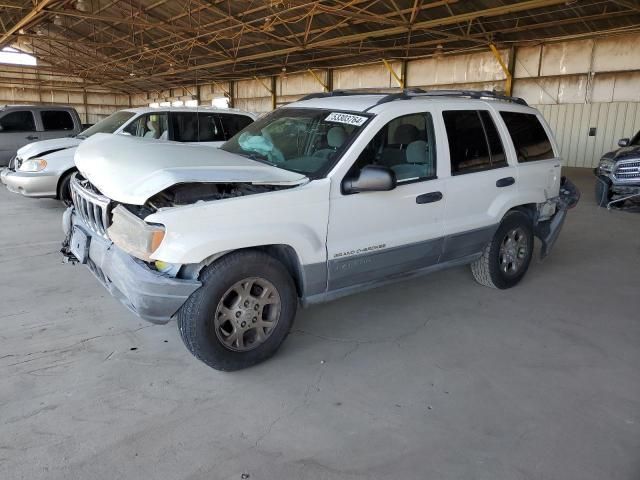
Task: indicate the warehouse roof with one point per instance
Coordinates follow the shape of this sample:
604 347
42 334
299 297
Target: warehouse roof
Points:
148 44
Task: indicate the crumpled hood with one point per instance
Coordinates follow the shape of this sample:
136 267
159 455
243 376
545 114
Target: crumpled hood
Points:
624 153
131 170
47 146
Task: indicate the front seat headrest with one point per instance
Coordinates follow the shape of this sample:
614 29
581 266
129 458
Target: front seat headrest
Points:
406 134
336 136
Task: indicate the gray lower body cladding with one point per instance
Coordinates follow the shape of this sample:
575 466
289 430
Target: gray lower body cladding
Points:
149 294
362 272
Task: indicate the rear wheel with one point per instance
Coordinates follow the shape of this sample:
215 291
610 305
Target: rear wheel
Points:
506 259
241 314
64 189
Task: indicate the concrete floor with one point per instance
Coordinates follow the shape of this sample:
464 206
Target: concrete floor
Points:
438 378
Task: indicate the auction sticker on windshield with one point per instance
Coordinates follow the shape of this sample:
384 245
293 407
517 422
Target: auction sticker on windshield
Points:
347 118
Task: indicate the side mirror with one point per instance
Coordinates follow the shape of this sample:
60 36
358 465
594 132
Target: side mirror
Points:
372 178
623 142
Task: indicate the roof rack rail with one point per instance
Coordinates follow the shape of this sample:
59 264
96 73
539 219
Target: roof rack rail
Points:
408 94
337 93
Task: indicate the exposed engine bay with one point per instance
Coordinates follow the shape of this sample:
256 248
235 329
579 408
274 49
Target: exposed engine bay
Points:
189 193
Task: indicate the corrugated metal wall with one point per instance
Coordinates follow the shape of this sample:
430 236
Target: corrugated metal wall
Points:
27 85
571 124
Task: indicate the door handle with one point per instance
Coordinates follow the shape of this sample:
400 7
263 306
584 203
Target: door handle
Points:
429 198
505 182
31 137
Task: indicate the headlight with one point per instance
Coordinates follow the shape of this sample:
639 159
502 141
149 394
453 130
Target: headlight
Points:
606 166
133 235
33 165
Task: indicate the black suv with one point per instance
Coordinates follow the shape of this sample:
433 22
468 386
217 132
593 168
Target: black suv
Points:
618 174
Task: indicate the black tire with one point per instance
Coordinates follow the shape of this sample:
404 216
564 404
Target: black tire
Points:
64 188
603 193
488 269
195 318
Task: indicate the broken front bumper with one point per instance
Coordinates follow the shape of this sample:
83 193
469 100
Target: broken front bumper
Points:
548 231
147 293
36 184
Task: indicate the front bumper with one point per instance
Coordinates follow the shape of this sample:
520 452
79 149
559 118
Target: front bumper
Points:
36 185
147 293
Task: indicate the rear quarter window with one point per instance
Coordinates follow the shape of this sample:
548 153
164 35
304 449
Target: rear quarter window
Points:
529 137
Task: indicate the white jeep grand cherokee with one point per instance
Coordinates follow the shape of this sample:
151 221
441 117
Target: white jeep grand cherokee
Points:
322 198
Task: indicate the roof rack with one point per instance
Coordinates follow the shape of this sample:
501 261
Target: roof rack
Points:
338 93
408 94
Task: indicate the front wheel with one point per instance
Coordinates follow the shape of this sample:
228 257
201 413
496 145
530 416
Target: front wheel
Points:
241 314
506 259
64 189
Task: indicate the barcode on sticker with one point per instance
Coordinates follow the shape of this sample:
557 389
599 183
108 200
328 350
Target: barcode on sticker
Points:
347 118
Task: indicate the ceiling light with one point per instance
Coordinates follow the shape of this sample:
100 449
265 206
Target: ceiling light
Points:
58 21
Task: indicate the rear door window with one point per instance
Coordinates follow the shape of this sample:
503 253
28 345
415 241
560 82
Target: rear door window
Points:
232 123
468 147
185 126
498 157
20 121
56 120
529 137
474 141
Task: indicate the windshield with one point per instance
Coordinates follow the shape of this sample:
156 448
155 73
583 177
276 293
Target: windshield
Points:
108 125
635 140
303 140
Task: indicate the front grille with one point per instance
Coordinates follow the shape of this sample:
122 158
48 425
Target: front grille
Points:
93 208
628 170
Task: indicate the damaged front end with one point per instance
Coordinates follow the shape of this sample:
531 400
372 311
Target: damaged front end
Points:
550 216
116 243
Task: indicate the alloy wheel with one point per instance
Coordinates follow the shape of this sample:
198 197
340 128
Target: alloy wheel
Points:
247 314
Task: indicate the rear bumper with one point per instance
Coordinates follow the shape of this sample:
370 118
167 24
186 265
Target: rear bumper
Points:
549 230
147 293
36 185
